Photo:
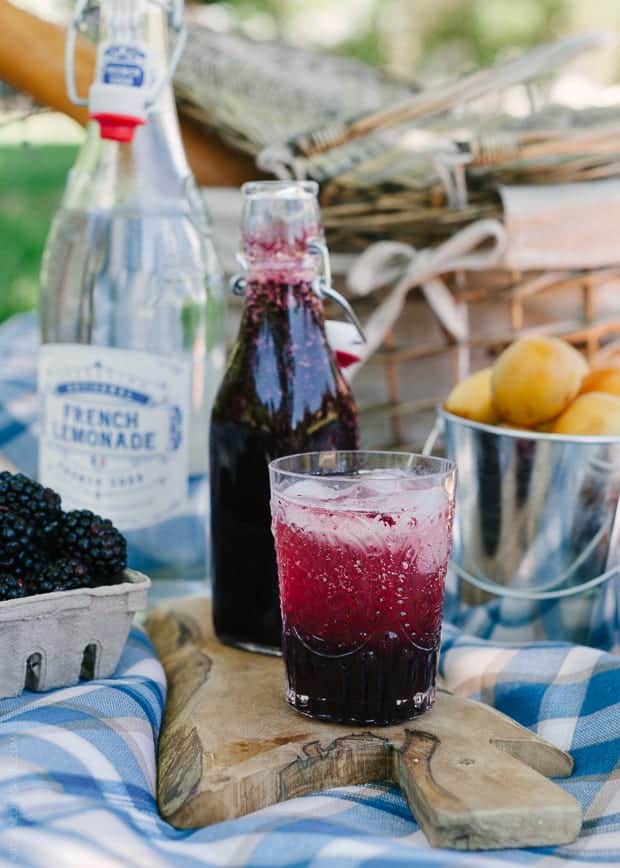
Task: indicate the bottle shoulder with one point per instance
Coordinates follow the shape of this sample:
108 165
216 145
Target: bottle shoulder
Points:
268 384
149 174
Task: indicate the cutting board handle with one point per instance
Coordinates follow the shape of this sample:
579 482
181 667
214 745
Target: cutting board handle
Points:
472 791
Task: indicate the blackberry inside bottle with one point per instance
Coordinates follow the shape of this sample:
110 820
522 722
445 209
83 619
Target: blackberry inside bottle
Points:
282 393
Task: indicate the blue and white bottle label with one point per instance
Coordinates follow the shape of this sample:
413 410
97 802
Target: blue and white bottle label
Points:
122 64
114 432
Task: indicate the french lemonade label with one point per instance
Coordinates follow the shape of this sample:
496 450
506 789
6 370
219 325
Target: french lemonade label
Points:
114 432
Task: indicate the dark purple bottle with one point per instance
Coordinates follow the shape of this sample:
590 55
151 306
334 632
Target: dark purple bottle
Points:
282 393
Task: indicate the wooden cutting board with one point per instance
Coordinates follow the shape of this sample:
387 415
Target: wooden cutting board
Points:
229 745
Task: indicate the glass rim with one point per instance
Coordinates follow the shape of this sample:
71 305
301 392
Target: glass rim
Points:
446 464
269 189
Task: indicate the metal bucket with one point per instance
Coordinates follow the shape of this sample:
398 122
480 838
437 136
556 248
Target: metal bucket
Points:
536 546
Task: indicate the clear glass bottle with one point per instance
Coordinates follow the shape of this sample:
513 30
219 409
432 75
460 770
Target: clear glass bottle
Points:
282 393
132 324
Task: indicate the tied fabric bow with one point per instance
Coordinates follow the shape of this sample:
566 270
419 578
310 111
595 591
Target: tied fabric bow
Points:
475 248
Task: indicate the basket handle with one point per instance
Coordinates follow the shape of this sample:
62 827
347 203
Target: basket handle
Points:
518 594
434 435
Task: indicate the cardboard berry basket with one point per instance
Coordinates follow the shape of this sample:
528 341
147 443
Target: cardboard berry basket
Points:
54 640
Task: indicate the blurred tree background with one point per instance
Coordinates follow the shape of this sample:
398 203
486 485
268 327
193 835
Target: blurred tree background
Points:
424 40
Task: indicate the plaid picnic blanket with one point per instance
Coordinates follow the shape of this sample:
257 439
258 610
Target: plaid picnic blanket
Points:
78 772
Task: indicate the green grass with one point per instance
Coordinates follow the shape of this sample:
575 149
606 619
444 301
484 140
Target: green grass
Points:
32 179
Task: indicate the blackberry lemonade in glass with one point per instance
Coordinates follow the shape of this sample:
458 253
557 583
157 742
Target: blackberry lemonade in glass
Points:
362 543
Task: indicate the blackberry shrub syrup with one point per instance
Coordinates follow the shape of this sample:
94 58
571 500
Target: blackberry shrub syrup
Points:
282 393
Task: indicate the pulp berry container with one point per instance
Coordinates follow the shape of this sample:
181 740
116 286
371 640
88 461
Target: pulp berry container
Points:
53 640
536 541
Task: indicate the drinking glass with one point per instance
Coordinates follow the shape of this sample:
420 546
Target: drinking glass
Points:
362 544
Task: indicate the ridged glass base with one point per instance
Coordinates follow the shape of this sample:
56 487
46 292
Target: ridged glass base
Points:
383 683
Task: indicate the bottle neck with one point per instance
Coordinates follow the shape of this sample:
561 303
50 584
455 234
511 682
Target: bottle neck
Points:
285 298
163 117
149 172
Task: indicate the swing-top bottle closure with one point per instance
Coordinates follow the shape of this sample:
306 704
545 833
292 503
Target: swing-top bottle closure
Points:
127 84
287 242
321 285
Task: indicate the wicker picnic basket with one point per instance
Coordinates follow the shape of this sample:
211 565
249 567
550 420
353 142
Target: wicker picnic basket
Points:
413 170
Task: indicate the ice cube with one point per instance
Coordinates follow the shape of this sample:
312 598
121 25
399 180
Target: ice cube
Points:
377 483
310 490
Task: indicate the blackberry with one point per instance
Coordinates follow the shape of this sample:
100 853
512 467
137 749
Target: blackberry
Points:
26 498
17 545
30 564
94 541
12 588
66 574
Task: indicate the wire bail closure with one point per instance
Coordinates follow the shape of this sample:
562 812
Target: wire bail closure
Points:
238 282
174 9
322 286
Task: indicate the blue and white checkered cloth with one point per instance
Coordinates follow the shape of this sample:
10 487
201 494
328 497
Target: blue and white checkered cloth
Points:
77 773
77 766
